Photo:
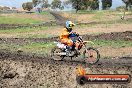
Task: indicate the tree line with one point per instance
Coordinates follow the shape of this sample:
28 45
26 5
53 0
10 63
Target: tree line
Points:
76 4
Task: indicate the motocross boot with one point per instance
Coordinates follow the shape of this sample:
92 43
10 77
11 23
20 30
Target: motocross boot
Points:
69 51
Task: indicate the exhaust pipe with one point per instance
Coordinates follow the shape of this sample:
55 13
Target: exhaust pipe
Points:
61 54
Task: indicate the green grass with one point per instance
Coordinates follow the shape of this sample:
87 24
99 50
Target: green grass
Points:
113 43
45 48
48 15
87 11
106 23
41 36
15 20
44 12
38 48
38 45
117 21
22 30
98 15
104 17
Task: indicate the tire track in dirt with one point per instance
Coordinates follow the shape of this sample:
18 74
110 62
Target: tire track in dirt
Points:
26 70
120 61
30 70
127 36
60 20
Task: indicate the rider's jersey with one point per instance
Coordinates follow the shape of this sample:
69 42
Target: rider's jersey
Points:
64 34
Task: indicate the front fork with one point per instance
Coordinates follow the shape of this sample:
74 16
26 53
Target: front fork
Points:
88 51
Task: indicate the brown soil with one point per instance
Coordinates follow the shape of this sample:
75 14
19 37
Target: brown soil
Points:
105 36
25 70
59 19
104 29
111 36
21 70
107 51
98 29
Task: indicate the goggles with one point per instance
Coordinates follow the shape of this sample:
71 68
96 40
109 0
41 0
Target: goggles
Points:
71 25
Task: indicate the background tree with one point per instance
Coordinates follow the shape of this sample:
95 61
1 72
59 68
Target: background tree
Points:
83 4
4 8
27 6
42 3
128 4
78 4
14 8
106 4
57 4
45 4
35 2
93 4
1 8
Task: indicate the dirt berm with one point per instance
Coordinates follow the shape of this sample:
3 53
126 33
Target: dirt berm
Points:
23 70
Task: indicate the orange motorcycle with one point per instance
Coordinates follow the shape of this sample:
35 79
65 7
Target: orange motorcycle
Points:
89 54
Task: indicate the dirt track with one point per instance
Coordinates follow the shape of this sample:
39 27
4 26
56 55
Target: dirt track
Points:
24 70
32 71
105 36
59 19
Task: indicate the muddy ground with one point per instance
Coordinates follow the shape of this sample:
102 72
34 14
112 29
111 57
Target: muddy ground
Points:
25 70
20 70
127 36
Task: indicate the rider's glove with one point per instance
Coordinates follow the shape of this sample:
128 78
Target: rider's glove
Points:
77 34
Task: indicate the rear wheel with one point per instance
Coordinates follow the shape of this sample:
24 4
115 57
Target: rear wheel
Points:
81 80
55 54
91 55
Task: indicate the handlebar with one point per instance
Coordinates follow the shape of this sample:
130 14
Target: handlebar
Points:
81 40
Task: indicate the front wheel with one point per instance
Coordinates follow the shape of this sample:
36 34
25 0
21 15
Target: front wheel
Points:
91 55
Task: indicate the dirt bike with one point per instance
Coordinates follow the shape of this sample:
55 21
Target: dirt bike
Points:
89 54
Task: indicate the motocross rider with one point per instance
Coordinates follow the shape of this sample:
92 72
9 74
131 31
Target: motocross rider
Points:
65 35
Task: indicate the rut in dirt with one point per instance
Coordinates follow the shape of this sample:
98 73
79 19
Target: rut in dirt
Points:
127 36
22 70
127 62
60 20
28 57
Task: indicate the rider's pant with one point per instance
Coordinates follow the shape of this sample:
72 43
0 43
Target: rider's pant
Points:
67 41
70 43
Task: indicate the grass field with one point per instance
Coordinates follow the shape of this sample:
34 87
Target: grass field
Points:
22 30
106 48
99 22
112 43
24 18
14 20
96 16
25 60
